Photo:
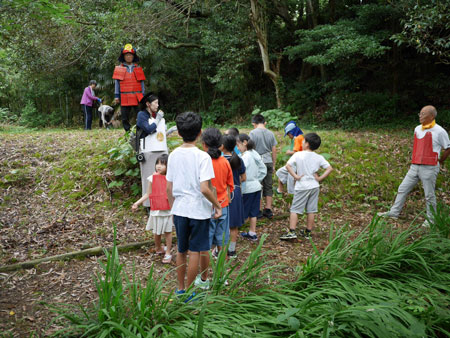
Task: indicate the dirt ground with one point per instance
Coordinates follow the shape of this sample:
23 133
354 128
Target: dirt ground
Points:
38 222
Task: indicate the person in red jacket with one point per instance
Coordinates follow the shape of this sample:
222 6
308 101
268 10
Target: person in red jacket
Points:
429 139
129 84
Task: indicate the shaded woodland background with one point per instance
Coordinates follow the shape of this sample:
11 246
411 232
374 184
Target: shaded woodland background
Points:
346 63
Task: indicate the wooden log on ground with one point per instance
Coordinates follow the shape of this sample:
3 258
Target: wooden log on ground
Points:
95 251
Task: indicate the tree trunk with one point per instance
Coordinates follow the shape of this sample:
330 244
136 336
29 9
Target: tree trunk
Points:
259 23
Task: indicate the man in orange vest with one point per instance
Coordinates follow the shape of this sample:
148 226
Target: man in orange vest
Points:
129 84
429 139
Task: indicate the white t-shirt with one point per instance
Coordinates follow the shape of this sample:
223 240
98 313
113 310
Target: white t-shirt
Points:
186 168
156 141
307 163
439 137
158 212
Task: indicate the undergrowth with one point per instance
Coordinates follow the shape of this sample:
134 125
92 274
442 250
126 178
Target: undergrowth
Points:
378 283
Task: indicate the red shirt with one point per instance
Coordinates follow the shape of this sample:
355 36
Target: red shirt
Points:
223 179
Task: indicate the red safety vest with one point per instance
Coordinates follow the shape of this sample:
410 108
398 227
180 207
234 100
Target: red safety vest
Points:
158 197
423 150
130 84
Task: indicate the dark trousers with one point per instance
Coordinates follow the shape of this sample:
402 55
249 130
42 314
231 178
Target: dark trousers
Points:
87 111
127 112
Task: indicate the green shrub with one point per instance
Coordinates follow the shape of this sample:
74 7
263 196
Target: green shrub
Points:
30 117
359 109
378 283
275 118
6 116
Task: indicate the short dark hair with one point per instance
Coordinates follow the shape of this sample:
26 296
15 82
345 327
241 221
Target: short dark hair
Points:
313 140
258 119
162 159
92 82
233 131
250 142
212 137
189 125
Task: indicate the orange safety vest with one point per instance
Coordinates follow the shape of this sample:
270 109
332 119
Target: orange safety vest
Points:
423 151
158 197
130 84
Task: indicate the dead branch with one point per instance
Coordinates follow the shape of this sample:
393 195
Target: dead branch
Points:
96 251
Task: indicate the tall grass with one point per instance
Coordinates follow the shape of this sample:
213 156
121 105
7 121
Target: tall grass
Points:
378 283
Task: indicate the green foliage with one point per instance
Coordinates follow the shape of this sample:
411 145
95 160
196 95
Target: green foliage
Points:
347 38
441 220
378 283
7 117
358 109
275 118
29 116
426 28
124 163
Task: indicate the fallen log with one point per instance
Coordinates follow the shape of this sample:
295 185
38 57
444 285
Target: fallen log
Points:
95 251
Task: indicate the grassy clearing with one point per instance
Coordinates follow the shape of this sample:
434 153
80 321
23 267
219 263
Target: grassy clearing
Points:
369 166
381 283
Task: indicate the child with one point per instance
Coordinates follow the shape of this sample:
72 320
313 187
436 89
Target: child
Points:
265 143
234 132
251 188
296 136
190 194
303 166
160 220
219 231
236 207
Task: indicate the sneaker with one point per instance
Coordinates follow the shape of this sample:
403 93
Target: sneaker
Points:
267 213
179 292
305 233
386 214
232 254
289 235
252 238
204 285
260 215
426 224
215 253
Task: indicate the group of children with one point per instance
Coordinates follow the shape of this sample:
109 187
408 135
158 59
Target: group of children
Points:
207 195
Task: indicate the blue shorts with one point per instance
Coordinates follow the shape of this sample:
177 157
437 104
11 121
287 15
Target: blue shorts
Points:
251 204
192 234
219 229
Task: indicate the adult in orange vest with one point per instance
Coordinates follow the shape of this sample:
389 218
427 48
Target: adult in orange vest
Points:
429 139
129 84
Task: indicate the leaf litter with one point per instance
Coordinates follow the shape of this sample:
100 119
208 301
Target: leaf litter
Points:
37 220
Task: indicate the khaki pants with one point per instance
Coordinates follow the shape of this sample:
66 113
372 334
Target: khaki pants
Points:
425 173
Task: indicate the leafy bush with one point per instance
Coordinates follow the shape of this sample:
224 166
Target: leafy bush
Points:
30 117
6 116
124 163
56 118
304 96
359 109
275 118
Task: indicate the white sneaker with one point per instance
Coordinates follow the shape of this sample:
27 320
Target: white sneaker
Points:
204 285
386 214
426 224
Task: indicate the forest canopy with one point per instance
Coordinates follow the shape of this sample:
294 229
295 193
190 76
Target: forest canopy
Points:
345 62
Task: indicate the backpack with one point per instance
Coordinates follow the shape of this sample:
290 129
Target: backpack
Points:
134 138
